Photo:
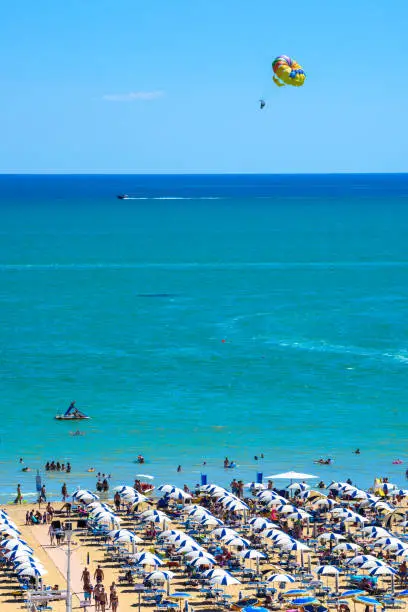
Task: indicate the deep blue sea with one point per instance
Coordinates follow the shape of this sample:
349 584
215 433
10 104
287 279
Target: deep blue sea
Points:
208 316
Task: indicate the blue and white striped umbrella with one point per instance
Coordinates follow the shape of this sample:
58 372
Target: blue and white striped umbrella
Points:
147 558
160 575
252 554
225 580
280 578
327 570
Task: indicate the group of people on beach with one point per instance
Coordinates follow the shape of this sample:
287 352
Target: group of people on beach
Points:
52 466
98 591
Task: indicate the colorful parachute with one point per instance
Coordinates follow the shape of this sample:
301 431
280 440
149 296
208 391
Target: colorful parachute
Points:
288 72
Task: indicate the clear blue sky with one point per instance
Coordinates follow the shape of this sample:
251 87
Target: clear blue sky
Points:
196 70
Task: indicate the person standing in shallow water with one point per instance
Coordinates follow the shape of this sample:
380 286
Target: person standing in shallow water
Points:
19 497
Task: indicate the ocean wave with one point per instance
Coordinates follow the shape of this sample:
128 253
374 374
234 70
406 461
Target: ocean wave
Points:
340 349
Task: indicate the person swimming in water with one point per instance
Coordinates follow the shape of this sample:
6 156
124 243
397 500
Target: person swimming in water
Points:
357 451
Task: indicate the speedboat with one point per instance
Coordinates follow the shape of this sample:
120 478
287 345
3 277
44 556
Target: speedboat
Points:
72 414
123 196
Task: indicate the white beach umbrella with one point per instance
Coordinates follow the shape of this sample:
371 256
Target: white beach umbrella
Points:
33 572
210 521
327 570
107 518
345 546
291 476
372 564
331 536
14 543
27 563
375 532
298 486
280 578
260 524
160 576
199 554
187 548
124 535
299 515
252 554
201 561
216 571
238 542
84 495
293 545
226 580
361 559
221 532
195 510
147 558
286 509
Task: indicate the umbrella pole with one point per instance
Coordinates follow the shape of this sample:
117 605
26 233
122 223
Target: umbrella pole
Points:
392 584
257 565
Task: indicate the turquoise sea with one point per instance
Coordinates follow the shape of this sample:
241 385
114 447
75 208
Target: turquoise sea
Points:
209 316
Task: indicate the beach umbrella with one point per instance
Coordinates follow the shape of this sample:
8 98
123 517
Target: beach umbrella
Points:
13 543
84 495
179 494
123 536
107 519
396 547
295 593
371 601
236 506
375 532
281 578
360 559
147 514
200 554
238 542
32 572
299 515
298 486
255 486
273 534
190 547
295 545
198 511
287 509
226 580
147 558
345 546
302 601
222 532
329 536
385 570
329 570
323 503
28 563
352 593
260 523
201 561
291 476
166 488
210 521
164 535
372 564
160 576
253 554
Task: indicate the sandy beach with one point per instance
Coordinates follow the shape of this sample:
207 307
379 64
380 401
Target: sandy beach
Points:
93 549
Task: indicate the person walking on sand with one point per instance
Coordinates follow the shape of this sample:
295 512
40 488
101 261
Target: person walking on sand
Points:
19 497
51 533
98 575
103 599
86 577
114 598
98 590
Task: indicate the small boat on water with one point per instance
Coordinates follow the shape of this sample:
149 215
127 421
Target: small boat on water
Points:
123 196
72 414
